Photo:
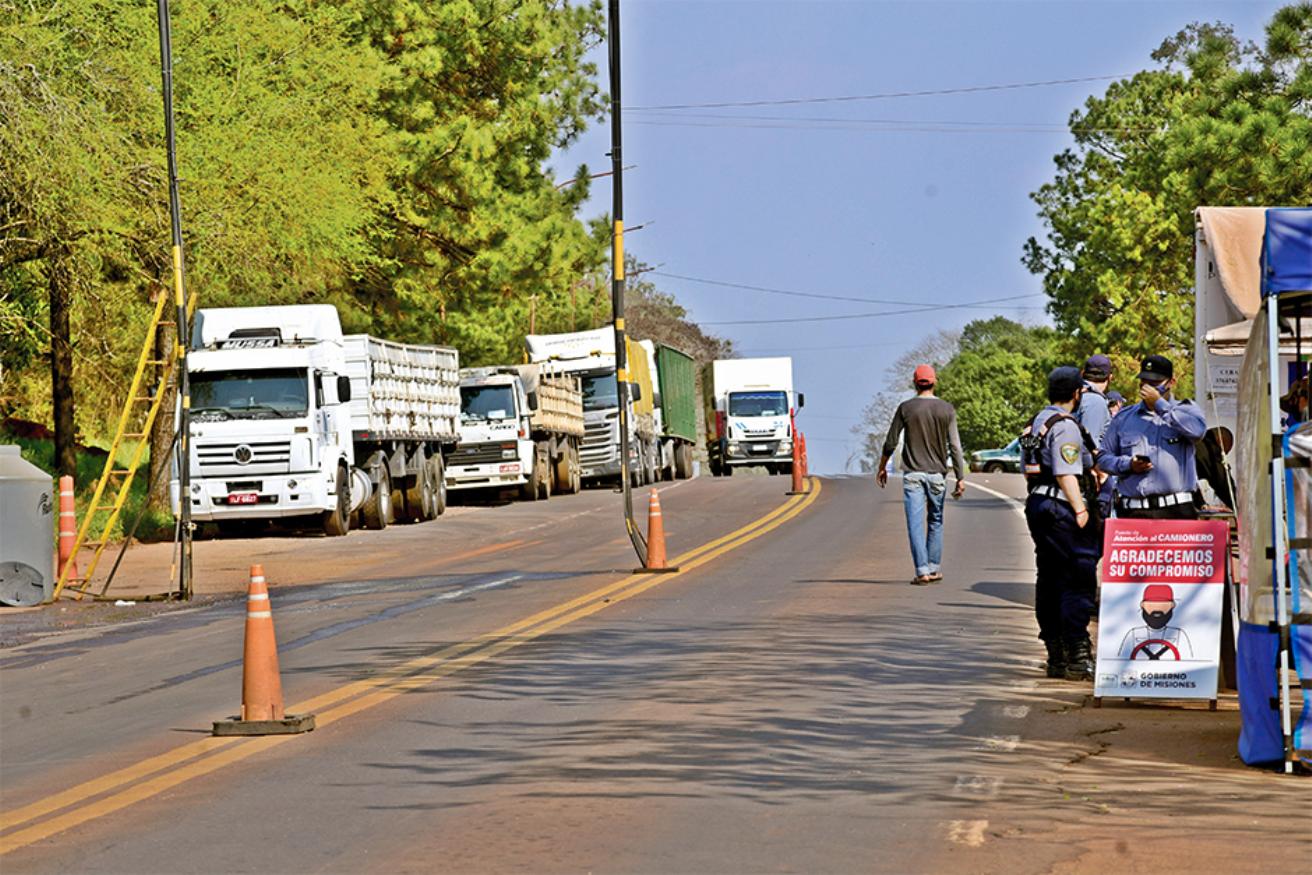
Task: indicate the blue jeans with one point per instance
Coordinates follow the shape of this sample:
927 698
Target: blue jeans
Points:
922 497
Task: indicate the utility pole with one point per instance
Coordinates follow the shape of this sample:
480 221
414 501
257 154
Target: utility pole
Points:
617 273
183 338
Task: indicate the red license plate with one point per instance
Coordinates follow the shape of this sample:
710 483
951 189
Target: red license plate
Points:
244 498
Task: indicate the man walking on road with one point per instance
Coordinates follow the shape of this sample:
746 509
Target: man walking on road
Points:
930 428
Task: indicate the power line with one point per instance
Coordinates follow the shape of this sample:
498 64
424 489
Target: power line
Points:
1043 127
886 95
928 128
926 309
818 295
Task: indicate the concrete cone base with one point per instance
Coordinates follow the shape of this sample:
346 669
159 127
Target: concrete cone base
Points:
292 724
668 570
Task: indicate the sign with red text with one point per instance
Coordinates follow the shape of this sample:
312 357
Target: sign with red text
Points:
1159 620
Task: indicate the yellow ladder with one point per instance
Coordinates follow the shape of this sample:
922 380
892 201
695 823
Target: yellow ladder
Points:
115 481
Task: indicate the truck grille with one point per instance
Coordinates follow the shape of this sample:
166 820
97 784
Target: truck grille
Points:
598 442
479 454
251 453
759 435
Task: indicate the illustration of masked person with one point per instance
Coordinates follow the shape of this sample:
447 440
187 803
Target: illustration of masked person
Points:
1157 638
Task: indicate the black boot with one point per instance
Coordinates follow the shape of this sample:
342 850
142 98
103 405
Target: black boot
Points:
1056 665
1079 661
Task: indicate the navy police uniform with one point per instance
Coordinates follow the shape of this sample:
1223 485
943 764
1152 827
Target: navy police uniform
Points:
1065 553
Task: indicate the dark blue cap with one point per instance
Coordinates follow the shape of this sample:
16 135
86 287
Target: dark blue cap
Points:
1115 397
1064 382
1098 367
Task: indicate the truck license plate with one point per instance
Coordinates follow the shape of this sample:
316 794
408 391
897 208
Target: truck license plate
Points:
244 498
760 448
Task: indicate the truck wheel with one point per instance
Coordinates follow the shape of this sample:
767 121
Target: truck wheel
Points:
337 522
562 472
726 470
419 497
377 507
438 468
576 471
544 479
682 462
531 491
994 468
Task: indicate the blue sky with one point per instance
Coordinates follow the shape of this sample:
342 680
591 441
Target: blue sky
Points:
927 204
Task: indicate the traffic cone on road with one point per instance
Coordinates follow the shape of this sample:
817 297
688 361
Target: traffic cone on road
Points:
799 465
261 683
656 562
67 527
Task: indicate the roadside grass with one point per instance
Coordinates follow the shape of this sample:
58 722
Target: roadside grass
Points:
155 525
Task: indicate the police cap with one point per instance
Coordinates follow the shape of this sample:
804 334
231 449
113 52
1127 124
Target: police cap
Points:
1063 383
1156 369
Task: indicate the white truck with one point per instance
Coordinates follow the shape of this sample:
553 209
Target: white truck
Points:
749 405
520 426
292 419
590 355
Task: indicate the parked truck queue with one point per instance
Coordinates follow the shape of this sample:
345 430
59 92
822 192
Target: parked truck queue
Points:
295 421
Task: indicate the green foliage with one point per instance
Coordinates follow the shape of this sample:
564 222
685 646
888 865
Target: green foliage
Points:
1217 123
998 379
994 372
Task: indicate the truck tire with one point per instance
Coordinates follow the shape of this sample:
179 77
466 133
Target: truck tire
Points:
419 497
337 522
726 470
562 472
576 470
377 508
532 490
544 467
682 461
438 468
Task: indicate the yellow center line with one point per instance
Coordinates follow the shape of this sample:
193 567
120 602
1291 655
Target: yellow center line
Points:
364 694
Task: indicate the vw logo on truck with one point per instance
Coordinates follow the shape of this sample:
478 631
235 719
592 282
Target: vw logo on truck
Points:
243 454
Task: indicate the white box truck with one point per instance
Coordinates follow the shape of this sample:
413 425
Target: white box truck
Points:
749 404
292 419
520 426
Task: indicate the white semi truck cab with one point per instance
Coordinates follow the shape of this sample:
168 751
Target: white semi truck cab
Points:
749 409
519 428
291 418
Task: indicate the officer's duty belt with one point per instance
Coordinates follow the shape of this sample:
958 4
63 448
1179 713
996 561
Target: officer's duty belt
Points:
1051 492
1154 502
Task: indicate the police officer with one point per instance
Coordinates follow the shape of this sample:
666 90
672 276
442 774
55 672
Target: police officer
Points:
1150 449
1065 528
1094 412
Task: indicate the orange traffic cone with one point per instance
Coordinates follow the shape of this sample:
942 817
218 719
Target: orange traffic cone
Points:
655 537
799 465
261 684
67 527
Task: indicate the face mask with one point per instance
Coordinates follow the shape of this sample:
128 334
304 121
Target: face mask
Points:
1157 619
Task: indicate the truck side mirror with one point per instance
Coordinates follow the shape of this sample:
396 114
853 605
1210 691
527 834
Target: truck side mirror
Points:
801 400
343 390
532 400
635 392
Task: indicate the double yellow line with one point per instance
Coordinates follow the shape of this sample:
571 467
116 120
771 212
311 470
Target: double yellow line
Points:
126 786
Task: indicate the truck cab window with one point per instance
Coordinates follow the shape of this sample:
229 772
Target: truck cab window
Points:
264 394
600 392
486 402
758 403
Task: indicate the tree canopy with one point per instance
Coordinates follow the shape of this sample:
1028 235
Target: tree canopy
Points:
1218 122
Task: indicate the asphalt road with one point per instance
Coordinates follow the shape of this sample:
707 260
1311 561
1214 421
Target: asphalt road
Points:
785 703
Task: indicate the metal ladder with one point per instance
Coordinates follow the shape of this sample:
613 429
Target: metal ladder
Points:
134 424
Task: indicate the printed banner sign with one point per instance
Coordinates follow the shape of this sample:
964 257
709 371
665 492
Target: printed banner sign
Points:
1159 622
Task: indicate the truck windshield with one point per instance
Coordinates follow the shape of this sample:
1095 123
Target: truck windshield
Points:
271 394
486 402
600 392
758 403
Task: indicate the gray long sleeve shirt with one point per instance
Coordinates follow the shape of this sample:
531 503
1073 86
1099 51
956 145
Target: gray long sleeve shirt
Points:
930 427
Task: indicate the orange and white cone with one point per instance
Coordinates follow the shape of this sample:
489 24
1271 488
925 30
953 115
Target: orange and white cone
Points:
67 527
656 561
262 710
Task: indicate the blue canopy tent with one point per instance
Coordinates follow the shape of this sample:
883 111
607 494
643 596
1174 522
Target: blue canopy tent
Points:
1275 635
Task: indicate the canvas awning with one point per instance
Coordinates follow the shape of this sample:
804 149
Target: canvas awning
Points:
1234 240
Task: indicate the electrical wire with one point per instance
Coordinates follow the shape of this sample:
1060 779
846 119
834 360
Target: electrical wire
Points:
818 295
886 95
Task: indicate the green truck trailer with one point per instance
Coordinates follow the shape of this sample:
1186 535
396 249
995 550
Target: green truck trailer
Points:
676 404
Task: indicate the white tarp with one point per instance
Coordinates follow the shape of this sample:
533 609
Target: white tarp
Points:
1253 479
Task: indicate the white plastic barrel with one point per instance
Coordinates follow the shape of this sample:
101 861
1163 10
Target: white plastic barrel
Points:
27 531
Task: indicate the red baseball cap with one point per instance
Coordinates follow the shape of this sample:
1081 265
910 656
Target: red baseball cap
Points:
924 374
1158 592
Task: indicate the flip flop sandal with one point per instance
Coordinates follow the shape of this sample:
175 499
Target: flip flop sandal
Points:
935 578
921 580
